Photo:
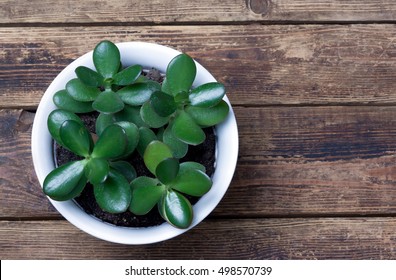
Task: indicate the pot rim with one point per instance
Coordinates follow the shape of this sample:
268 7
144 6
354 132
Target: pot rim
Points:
148 55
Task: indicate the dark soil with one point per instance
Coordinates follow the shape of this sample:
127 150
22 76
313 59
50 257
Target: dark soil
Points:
204 154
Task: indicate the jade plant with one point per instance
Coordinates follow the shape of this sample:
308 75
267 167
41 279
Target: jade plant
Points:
136 117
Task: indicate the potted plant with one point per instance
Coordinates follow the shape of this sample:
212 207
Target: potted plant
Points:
136 117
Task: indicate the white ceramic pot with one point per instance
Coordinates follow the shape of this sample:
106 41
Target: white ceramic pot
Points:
148 55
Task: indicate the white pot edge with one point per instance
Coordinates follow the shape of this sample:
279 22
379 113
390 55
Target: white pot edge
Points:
147 55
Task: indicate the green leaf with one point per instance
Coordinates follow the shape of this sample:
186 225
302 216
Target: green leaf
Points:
64 101
111 143
163 104
76 138
146 137
130 114
115 194
179 148
137 94
192 165
150 117
75 192
55 120
185 129
80 92
146 192
132 133
167 170
63 180
103 121
97 170
180 74
165 87
89 77
178 210
108 102
127 76
206 117
192 182
156 152
125 168
207 95
161 207
106 58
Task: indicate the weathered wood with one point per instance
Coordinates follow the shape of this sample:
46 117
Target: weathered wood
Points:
19 187
308 64
188 11
357 238
307 161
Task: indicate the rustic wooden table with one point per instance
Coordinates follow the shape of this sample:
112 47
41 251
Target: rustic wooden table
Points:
313 85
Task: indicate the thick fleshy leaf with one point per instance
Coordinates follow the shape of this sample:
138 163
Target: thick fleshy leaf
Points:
75 192
167 170
206 117
192 165
146 137
178 210
156 152
179 148
115 194
207 95
111 143
150 117
63 180
192 182
127 76
130 114
182 98
97 170
81 92
103 121
185 128
161 207
163 104
146 192
137 94
55 120
132 133
165 87
64 101
180 74
125 168
89 77
106 58
76 138
108 102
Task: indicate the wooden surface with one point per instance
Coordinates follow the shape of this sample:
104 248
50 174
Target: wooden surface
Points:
313 86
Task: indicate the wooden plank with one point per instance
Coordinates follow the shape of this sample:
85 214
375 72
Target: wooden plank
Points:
310 64
357 238
187 11
293 161
19 187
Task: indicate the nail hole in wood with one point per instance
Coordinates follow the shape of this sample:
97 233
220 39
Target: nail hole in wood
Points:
258 6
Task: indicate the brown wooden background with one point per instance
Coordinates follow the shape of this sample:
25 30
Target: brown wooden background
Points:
313 85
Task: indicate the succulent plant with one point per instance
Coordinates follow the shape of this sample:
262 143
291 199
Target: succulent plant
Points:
185 110
98 90
159 121
165 190
99 165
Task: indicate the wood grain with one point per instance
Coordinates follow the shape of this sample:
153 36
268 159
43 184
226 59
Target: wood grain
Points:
293 161
304 65
332 238
194 11
20 191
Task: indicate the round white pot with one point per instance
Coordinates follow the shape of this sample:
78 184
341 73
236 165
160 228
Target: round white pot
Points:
148 55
